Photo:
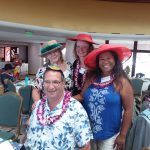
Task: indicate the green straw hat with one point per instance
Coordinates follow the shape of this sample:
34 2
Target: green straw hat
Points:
50 46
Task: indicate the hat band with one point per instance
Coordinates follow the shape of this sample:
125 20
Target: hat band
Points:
50 48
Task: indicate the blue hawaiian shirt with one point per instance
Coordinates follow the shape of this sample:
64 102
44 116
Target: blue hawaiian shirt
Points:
71 132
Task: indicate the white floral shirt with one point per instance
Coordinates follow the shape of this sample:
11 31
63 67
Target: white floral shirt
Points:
70 132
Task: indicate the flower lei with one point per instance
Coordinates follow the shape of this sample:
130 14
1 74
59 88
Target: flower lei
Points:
51 119
77 85
104 84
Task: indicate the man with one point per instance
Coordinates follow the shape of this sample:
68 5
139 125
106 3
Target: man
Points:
58 121
6 75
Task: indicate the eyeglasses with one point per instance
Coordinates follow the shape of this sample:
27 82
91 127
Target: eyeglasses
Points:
55 83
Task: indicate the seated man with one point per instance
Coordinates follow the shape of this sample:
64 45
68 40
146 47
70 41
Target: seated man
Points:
6 75
58 122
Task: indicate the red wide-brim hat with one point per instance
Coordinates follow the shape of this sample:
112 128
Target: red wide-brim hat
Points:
83 37
123 53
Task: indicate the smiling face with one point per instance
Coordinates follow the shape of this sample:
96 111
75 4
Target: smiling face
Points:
106 63
82 48
53 84
54 56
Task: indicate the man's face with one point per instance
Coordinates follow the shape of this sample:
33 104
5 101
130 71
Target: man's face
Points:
53 84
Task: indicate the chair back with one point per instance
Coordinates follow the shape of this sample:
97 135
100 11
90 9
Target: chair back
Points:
26 93
10 86
137 84
10 110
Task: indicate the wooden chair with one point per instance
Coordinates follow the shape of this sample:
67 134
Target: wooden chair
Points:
10 115
26 93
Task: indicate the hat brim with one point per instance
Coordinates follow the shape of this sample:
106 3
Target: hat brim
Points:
48 49
76 39
123 53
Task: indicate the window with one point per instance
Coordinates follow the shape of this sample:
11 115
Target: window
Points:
143 45
142 62
8 53
128 43
2 53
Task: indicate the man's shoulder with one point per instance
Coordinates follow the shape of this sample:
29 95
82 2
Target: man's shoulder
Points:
75 103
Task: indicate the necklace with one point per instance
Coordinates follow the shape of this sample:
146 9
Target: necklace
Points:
51 119
77 85
104 84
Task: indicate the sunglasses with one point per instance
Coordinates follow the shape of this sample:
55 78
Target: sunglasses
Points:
53 67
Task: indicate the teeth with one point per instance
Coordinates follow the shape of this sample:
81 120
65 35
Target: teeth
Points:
105 66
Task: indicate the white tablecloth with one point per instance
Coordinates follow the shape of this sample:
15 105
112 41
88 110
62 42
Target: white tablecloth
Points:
22 83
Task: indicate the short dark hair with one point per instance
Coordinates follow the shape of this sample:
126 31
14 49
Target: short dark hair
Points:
8 67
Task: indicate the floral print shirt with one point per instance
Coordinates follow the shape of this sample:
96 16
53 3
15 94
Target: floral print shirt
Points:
67 73
71 132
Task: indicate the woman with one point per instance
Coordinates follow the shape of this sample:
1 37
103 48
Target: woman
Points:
108 96
83 45
52 52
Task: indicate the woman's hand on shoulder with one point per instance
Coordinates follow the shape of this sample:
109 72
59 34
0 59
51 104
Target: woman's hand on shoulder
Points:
78 97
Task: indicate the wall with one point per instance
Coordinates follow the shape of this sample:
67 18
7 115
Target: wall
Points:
22 52
33 58
79 15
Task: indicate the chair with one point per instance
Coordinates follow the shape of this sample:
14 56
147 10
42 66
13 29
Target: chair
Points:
137 84
10 115
139 133
26 93
10 87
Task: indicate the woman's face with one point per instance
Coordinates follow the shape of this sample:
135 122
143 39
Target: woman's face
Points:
82 48
54 56
106 63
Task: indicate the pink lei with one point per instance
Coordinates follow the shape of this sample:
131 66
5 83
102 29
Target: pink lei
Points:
51 119
104 84
77 85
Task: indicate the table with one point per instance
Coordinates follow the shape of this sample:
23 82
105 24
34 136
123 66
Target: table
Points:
22 83
9 145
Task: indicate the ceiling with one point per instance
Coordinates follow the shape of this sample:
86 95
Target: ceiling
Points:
129 1
14 33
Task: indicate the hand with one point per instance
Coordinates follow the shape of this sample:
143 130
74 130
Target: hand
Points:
34 104
119 143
